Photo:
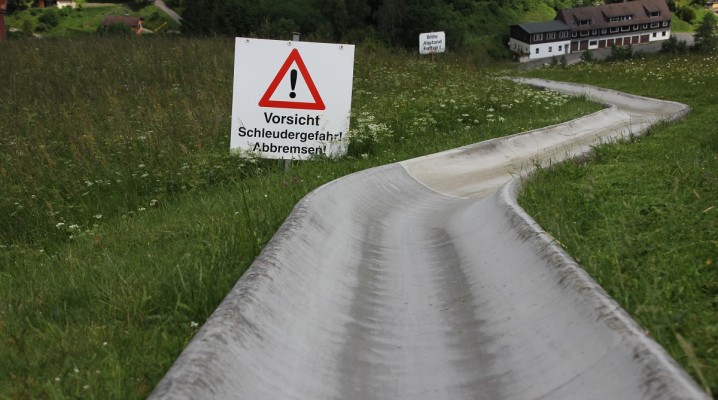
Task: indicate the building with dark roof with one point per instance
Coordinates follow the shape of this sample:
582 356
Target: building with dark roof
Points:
536 40
134 23
593 27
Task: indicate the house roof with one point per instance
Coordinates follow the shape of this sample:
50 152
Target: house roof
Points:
544 26
599 15
128 20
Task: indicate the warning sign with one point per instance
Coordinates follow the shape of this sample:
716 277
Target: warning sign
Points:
432 42
291 100
293 59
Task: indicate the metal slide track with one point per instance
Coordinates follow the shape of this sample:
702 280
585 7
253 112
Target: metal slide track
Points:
425 280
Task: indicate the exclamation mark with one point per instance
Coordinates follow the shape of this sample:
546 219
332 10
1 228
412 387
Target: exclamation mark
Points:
293 82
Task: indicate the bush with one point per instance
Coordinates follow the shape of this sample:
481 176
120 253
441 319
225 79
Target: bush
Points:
686 14
587 56
620 53
27 27
674 46
51 17
42 27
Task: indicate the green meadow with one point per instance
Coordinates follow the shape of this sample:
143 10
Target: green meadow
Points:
642 216
124 219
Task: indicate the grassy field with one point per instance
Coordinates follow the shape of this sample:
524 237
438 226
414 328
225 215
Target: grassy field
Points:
124 220
642 217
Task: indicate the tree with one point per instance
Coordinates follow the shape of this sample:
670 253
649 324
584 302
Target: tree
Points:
686 14
50 17
16 5
197 17
705 38
391 20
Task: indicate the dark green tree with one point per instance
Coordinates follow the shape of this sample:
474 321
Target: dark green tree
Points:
391 21
16 5
705 39
50 17
686 14
197 17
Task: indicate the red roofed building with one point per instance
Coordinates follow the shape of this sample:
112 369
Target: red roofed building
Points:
134 23
592 27
620 24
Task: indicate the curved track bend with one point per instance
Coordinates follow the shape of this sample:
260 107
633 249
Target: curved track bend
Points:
425 280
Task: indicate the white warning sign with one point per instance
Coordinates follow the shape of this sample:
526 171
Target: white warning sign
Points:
291 100
433 42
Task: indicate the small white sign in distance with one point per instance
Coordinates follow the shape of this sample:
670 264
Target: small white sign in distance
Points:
291 100
433 42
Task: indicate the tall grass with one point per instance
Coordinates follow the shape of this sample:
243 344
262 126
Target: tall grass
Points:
642 217
124 220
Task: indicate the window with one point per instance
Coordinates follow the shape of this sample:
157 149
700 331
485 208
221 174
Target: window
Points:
537 50
560 48
563 34
593 43
621 18
584 33
574 34
625 28
603 31
644 26
538 37
614 30
654 34
594 32
551 35
664 33
665 23
655 24
584 22
550 49
655 14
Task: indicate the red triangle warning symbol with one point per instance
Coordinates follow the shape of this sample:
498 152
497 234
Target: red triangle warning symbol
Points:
294 58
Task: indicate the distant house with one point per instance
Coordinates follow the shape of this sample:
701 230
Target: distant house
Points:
593 27
134 23
53 3
536 40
